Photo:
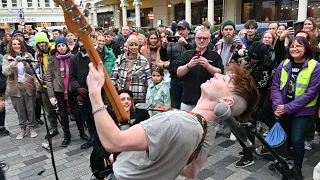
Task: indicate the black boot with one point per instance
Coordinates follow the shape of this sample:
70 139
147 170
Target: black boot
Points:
86 145
83 135
66 140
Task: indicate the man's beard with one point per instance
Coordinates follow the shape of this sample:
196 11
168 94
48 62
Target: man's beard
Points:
228 39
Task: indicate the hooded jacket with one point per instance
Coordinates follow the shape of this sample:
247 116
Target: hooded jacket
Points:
297 106
247 43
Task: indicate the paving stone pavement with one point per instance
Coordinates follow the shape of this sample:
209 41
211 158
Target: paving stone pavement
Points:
27 158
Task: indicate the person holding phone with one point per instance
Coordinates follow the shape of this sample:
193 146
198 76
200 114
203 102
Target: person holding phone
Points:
171 51
196 67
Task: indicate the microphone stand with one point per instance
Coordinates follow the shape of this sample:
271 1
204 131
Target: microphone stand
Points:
46 123
287 170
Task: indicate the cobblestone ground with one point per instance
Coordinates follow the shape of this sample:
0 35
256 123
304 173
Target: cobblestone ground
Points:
26 157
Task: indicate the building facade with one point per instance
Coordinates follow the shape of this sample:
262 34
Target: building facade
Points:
35 13
147 13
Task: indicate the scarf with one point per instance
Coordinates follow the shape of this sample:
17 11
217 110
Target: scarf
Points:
145 51
64 62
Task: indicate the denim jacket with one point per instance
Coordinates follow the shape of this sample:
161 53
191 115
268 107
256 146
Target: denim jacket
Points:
158 94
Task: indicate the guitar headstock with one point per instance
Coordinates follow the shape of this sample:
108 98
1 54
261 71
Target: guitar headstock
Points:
76 20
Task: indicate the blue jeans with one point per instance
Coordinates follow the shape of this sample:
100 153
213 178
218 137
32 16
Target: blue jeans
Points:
176 90
295 127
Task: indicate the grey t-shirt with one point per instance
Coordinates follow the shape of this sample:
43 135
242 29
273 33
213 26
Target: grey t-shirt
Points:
172 137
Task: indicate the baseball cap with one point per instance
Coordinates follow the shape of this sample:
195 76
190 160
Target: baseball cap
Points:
184 24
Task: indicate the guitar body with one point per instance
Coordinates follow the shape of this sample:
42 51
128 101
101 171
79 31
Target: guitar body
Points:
77 22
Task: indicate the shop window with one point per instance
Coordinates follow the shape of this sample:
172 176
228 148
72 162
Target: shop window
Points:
14 3
29 3
289 10
314 10
46 3
269 11
4 3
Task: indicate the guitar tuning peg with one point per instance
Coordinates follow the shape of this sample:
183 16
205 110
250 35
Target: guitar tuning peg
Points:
77 19
85 28
86 12
70 9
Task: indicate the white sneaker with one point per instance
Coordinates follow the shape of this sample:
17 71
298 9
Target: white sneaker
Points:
307 146
232 137
33 133
316 133
21 134
219 128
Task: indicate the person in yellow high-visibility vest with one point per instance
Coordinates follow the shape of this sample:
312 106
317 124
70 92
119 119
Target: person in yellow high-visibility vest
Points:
295 90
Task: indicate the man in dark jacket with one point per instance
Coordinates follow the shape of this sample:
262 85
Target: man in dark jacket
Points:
171 51
196 67
78 75
260 66
19 34
123 37
111 44
251 25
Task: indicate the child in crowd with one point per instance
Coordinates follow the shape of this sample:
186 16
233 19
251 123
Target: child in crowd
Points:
158 93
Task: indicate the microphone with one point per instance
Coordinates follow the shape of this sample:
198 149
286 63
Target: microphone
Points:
223 112
28 60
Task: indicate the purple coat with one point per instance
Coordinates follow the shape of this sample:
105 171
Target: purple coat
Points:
297 106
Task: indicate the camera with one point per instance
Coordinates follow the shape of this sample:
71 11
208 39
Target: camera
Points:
236 58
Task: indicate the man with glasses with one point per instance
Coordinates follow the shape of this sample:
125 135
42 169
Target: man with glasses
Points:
196 67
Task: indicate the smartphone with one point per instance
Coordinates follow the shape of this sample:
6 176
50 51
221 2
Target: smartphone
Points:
197 53
173 38
290 24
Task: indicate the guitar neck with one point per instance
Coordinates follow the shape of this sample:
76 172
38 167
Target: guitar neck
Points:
108 86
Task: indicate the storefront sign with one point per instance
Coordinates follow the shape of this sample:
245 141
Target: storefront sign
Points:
32 19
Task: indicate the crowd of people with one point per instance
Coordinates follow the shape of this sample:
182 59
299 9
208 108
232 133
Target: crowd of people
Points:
268 78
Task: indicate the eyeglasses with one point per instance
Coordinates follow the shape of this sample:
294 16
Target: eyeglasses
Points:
202 38
296 46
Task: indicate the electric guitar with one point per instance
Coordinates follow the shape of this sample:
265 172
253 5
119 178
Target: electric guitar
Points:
77 22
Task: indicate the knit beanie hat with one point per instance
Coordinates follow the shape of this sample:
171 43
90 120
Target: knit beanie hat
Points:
61 40
228 22
41 37
132 39
257 50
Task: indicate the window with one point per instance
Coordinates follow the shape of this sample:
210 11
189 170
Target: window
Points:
46 3
4 3
29 3
39 5
56 5
14 3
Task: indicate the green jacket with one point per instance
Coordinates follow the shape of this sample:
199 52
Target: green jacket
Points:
109 59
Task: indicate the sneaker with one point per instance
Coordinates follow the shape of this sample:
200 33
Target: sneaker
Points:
316 133
33 133
219 128
232 137
21 134
53 132
4 131
307 146
244 162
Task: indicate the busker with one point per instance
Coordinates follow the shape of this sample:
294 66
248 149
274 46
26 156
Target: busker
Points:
159 148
